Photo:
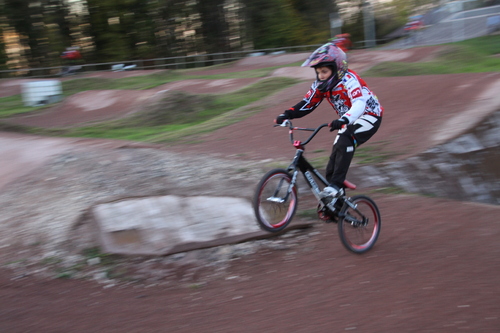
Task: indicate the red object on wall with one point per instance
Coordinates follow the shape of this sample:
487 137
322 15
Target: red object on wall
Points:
71 55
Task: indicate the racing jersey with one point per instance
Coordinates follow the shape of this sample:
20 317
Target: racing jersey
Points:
351 99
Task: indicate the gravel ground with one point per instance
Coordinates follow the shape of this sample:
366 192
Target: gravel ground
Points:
37 241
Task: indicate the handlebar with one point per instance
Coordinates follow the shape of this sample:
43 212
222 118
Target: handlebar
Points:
288 123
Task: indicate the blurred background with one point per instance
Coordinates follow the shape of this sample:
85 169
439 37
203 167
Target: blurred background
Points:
51 33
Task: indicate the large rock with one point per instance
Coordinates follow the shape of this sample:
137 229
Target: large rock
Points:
168 224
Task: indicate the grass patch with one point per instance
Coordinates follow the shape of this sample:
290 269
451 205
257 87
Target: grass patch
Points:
308 213
320 161
142 82
95 252
149 81
13 105
180 114
15 262
400 191
372 154
259 72
390 190
469 56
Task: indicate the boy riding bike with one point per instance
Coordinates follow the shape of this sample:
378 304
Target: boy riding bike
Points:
357 106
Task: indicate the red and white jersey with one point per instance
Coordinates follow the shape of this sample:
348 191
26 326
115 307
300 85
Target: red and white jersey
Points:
351 98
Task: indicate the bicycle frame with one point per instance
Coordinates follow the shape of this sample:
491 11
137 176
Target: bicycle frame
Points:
300 163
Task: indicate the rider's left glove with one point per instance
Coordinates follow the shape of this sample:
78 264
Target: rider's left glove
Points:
281 118
337 124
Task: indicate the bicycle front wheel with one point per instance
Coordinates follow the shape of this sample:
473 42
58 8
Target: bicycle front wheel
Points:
359 228
275 200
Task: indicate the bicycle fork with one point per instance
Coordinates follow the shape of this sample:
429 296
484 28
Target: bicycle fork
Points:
362 221
275 197
293 167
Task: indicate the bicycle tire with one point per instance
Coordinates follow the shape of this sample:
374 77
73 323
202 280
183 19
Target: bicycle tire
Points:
356 236
272 214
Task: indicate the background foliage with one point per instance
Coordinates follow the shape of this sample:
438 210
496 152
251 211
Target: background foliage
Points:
34 33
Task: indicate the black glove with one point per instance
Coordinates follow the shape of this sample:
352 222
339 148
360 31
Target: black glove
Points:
281 118
337 124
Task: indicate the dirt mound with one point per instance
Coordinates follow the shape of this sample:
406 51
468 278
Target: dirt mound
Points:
101 105
86 107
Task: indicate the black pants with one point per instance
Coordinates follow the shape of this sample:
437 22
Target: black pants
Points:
346 142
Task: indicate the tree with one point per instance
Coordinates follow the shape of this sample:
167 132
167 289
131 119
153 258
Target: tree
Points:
3 50
121 30
42 28
3 53
315 15
272 23
214 28
27 22
57 34
57 12
165 28
174 28
139 25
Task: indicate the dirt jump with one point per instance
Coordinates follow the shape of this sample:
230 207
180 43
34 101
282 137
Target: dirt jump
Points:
433 269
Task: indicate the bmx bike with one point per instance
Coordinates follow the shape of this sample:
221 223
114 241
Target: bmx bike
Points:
276 198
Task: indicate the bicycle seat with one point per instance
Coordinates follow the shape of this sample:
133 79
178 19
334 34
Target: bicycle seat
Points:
350 185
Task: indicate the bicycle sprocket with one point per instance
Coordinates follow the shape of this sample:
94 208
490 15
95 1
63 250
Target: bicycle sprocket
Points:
326 215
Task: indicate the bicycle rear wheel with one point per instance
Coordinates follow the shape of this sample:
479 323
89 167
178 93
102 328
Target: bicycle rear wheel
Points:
274 201
359 228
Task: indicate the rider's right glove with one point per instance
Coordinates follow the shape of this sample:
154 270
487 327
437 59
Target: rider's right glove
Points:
337 124
281 118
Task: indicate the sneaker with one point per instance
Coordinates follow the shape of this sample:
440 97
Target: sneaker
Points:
329 192
329 196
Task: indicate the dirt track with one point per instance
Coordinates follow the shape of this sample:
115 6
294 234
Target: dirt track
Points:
431 271
434 268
